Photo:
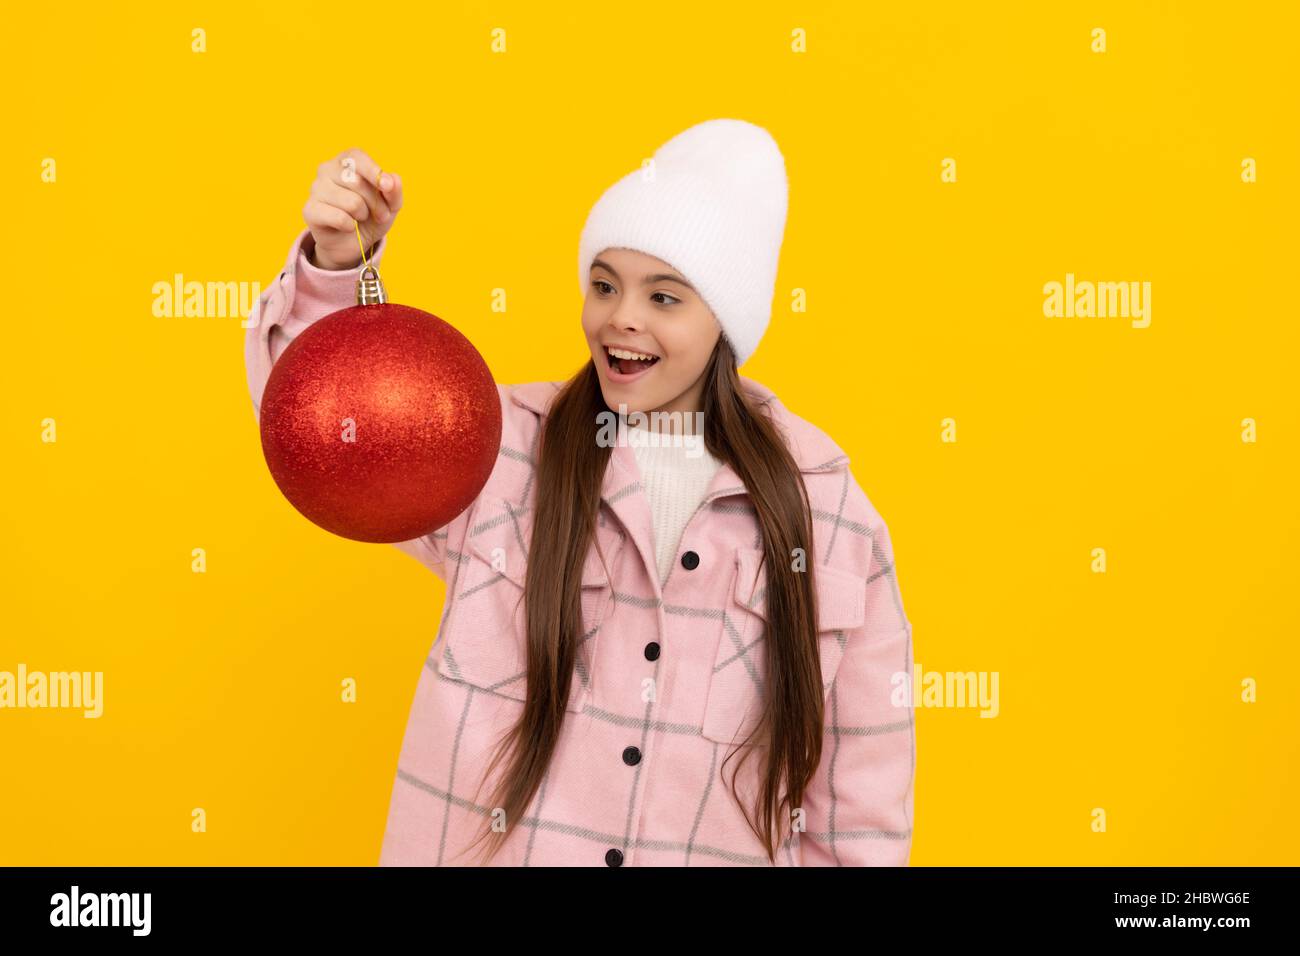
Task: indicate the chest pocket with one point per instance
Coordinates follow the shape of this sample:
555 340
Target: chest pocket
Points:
485 638
735 696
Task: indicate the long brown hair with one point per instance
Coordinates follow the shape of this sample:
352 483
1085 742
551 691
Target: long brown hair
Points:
570 470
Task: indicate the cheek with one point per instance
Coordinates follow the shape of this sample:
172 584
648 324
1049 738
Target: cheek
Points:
590 319
690 348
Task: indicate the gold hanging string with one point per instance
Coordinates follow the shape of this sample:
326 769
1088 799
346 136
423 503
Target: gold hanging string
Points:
364 258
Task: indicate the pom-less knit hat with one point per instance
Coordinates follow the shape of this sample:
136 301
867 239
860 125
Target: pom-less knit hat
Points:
711 204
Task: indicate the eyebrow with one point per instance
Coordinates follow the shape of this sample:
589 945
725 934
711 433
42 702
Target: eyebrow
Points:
648 280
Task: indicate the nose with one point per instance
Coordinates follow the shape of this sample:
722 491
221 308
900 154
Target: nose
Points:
625 318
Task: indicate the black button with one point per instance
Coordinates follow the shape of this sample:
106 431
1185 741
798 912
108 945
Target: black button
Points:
652 651
631 756
690 560
614 857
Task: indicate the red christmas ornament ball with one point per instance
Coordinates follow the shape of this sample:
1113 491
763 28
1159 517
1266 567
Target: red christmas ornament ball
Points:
380 423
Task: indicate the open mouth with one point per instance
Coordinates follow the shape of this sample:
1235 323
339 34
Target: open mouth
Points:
626 365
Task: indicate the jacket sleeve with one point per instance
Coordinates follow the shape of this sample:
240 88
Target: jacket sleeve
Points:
858 807
300 295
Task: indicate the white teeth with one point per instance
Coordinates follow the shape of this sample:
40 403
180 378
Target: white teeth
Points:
624 353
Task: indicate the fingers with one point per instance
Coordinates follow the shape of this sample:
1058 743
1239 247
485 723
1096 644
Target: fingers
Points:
355 171
335 179
351 189
372 178
348 200
355 165
319 214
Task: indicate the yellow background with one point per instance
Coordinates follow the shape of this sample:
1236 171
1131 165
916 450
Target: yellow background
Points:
1118 691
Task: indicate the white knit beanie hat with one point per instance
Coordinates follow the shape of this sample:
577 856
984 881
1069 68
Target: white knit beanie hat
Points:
711 204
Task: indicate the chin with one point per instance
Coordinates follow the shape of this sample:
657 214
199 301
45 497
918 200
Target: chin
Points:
627 395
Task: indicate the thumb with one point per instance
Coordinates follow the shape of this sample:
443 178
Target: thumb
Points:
390 184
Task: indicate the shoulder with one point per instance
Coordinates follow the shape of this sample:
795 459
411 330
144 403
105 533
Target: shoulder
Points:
814 451
522 407
844 517
533 398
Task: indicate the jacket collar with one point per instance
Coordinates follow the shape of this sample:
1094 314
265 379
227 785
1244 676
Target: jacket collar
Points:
813 449
624 494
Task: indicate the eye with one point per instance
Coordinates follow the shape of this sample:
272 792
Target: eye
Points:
598 283
667 296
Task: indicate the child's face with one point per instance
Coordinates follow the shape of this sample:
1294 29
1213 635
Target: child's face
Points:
643 304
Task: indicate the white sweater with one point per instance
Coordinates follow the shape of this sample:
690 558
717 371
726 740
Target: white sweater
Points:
675 483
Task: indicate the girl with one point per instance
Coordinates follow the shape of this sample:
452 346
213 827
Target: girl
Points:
632 609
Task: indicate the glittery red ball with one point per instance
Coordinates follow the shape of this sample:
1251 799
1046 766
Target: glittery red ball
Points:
380 423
